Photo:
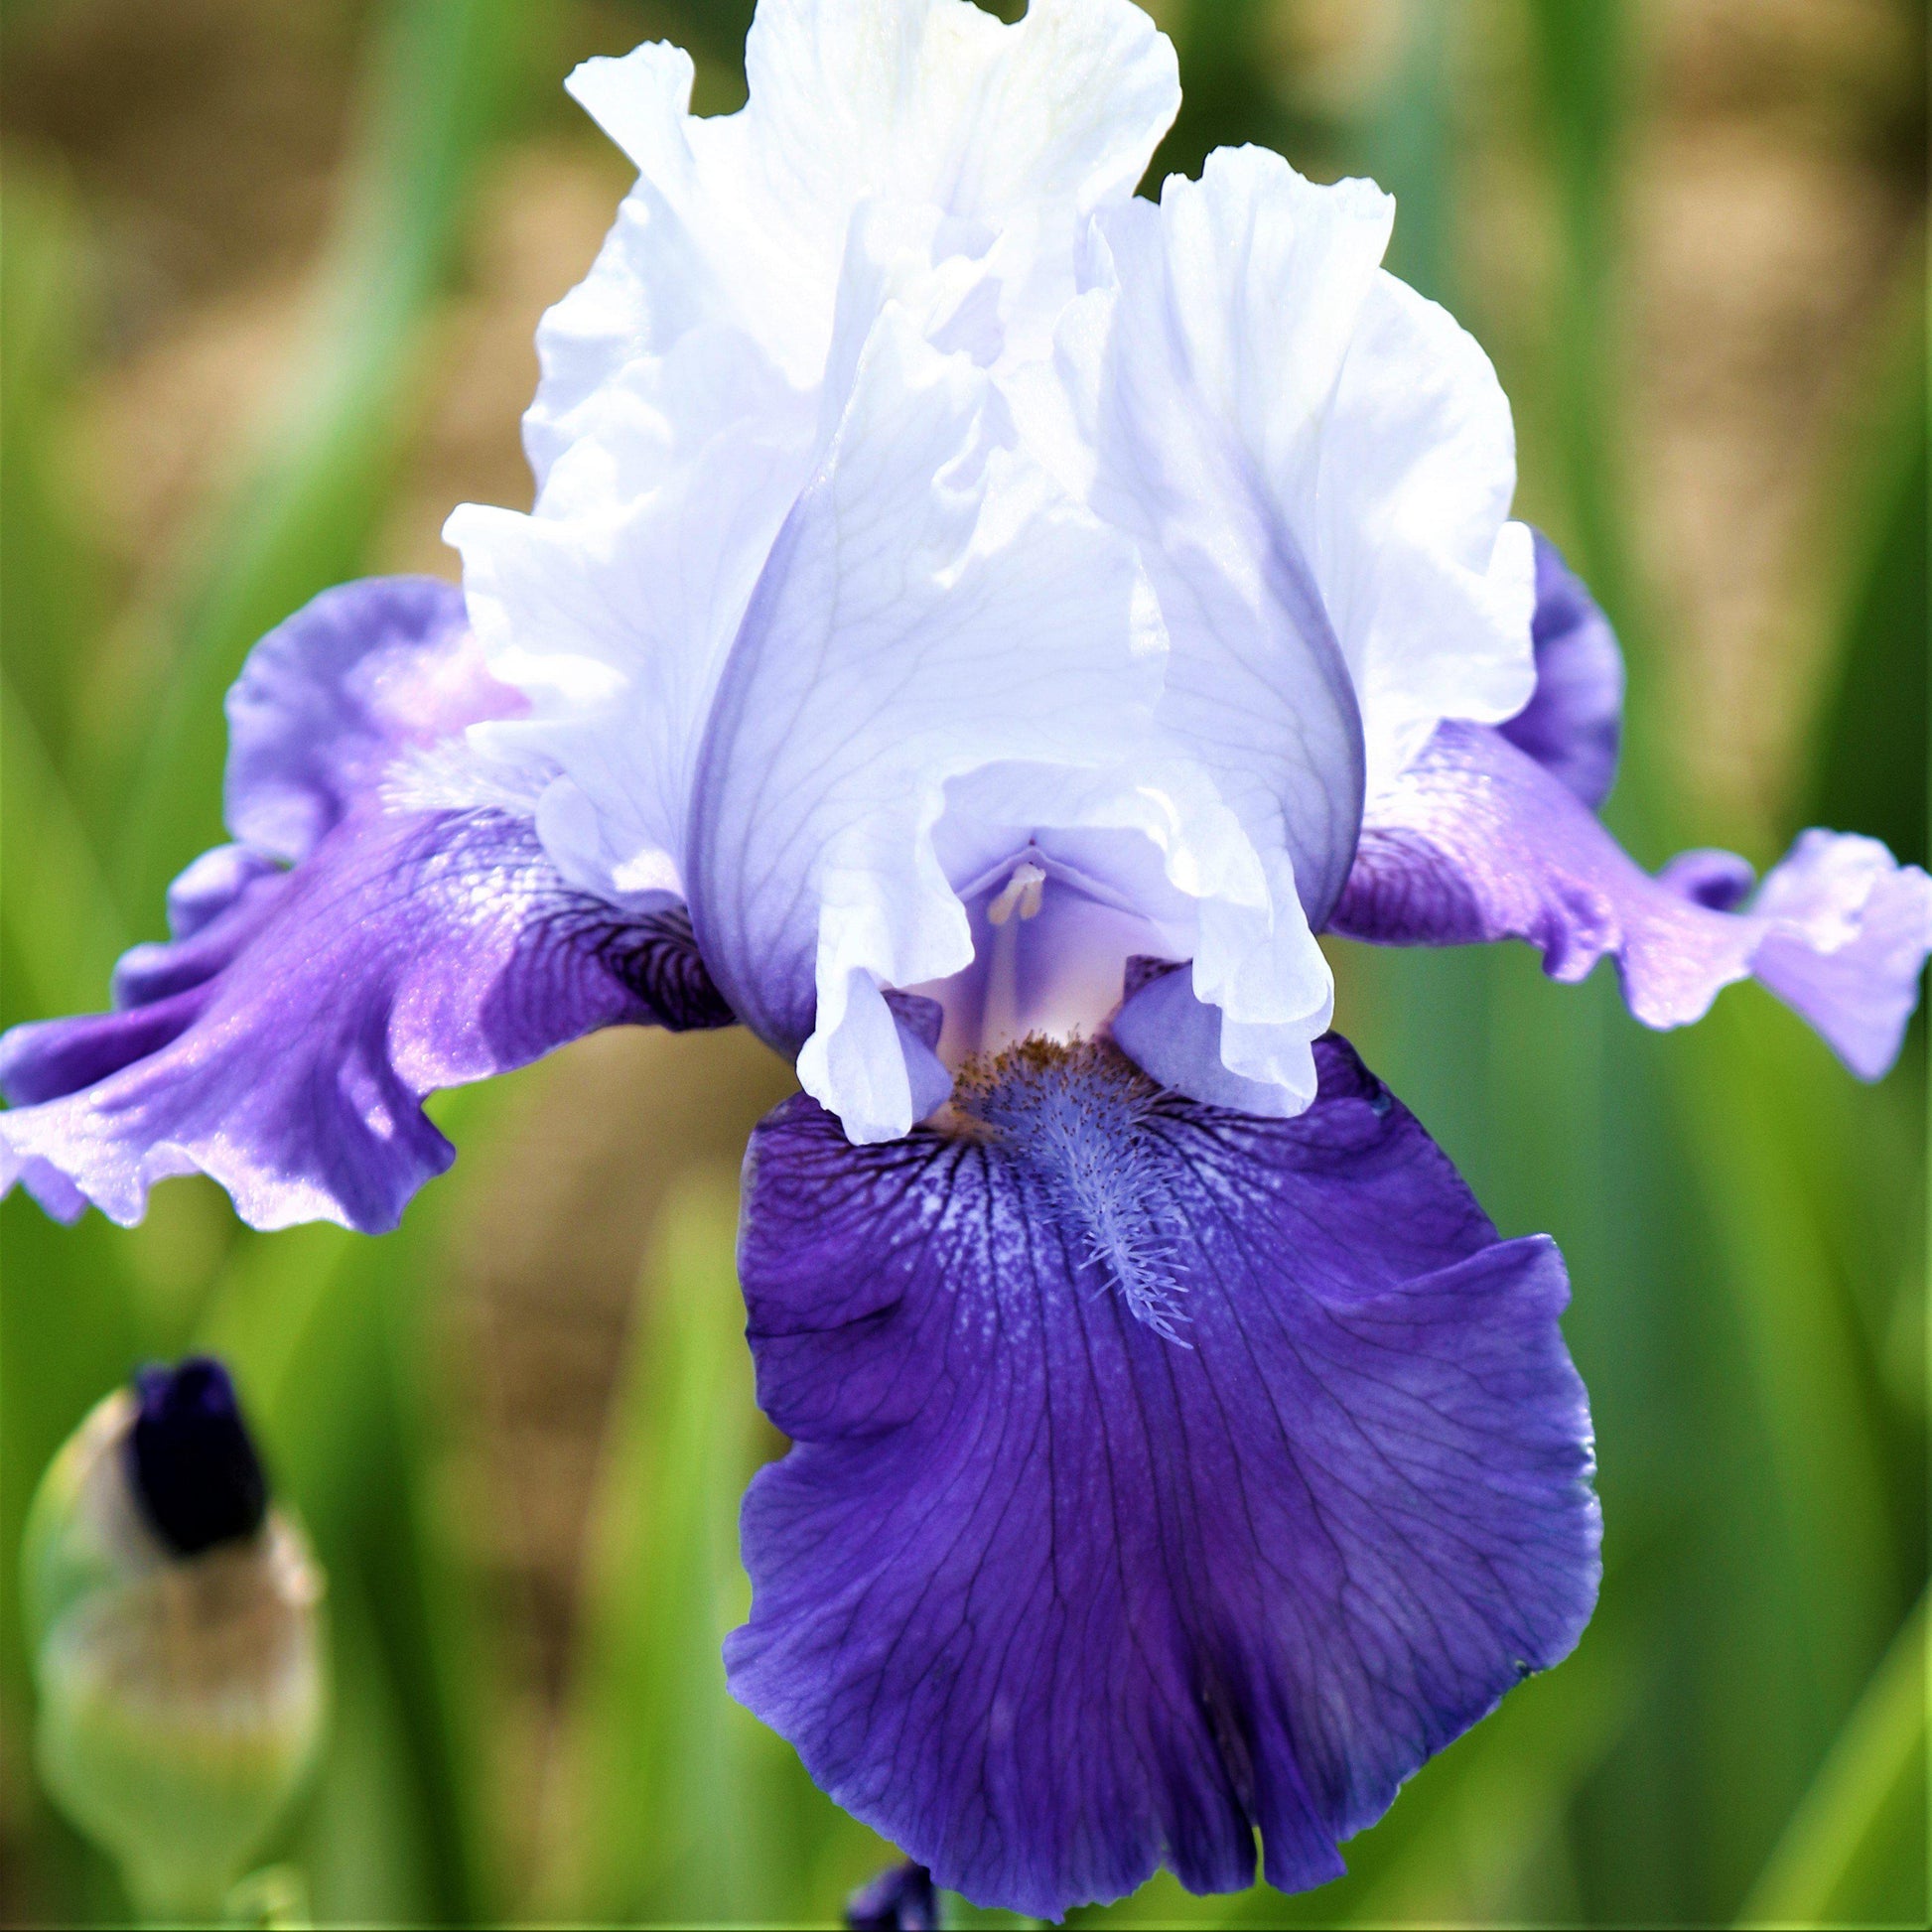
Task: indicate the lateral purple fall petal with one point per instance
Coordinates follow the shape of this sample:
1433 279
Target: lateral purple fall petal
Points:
1572 725
331 697
1478 842
1047 1597
408 953
283 1041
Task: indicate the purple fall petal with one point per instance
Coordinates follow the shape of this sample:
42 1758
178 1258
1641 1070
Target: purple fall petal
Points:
1574 721
331 697
407 953
212 908
1478 842
284 1039
1047 1597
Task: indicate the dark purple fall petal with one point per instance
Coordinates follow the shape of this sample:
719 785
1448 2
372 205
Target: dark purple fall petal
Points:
1478 842
1047 1599
409 952
1574 721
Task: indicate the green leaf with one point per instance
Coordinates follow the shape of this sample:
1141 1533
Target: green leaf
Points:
361 1837
62 928
1230 89
1581 73
678 1805
50 580
1409 148
1870 755
1855 1850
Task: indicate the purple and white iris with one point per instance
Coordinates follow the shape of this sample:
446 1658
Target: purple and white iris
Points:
976 628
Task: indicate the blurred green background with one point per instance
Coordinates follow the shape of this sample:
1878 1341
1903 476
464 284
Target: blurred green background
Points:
270 273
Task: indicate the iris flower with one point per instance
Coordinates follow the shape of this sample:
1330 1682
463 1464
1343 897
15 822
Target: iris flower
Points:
976 628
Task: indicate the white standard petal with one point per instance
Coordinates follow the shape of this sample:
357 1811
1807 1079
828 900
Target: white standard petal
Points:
1316 468
611 607
1203 383
1315 459
740 220
1187 405
1430 584
934 606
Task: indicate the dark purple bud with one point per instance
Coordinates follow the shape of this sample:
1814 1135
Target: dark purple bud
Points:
190 1457
900 1900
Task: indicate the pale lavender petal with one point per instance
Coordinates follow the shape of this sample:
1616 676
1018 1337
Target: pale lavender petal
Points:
1478 842
1048 1599
1166 1029
407 953
329 698
1574 721
1848 932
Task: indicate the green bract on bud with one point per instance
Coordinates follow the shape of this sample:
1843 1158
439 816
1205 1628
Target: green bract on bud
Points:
177 1645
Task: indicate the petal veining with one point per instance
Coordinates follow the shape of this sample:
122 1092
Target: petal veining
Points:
291 1056
1048 1599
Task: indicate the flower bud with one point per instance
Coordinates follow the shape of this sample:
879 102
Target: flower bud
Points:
176 1648
902 1898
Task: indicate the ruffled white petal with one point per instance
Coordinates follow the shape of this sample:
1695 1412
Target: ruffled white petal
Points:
1430 586
935 101
741 220
613 605
651 282
1202 394
1317 460
914 503
934 606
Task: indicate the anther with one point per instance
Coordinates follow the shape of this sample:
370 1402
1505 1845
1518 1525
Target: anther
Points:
1023 892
